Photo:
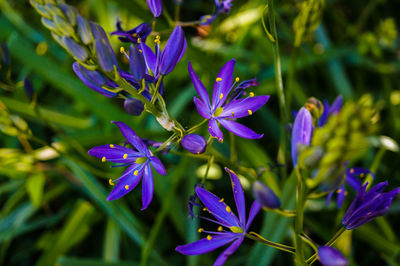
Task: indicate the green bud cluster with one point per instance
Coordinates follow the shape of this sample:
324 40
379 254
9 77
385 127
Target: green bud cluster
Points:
12 125
341 139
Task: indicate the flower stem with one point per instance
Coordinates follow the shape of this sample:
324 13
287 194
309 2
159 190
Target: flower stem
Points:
258 238
298 223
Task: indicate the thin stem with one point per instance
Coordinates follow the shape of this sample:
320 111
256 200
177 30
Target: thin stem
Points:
195 127
309 241
210 162
155 92
266 242
298 226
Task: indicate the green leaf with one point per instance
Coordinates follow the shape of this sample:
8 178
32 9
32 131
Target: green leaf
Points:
34 186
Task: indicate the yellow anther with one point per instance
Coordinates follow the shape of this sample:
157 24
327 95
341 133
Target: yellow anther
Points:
134 34
111 145
250 112
251 94
136 172
221 96
209 237
352 171
103 159
198 153
140 51
219 229
233 113
228 209
236 229
125 156
362 175
237 79
218 79
369 213
126 187
158 37
110 182
339 190
221 200
205 209
121 49
138 40
200 230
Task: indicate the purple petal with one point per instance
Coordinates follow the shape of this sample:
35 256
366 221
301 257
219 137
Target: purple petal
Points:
214 130
354 174
204 245
156 163
301 132
114 154
84 30
329 256
239 196
104 52
149 57
136 63
341 195
194 143
198 85
227 252
155 7
223 84
201 107
243 107
133 107
147 187
329 198
172 51
75 49
127 179
265 196
239 129
336 105
255 208
131 137
207 19
217 208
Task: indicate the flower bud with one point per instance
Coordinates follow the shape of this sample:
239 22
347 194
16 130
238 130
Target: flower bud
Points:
301 132
69 12
136 63
75 49
265 196
84 30
194 143
173 51
28 88
329 256
133 107
63 26
155 7
104 52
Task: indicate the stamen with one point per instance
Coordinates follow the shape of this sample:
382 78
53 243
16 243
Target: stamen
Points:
228 209
369 213
352 171
219 229
157 40
111 145
221 96
237 79
127 187
250 112
138 40
362 175
205 209
121 49
339 190
125 156
103 159
200 230
232 113
136 172
218 79
251 94
209 237
134 34
221 200
110 182
140 51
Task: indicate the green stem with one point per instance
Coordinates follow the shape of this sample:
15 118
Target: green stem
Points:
279 85
266 242
155 92
298 226
210 162
195 127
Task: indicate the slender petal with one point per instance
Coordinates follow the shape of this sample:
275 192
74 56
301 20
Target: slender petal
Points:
204 245
354 174
239 129
127 180
75 49
156 163
114 154
84 30
104 51
330 256
265 196
302 131
341 195
198 85
131 137
227 252
239 196
155 7
223 84
136 63
214 130
172 51
243 107
336 105
254 209
202 108
149 57
217 207
147 187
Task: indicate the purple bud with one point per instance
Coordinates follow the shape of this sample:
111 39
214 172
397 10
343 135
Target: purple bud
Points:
70 12
194 143
155 7
84 30
133 107
301 132
173 51
28 88
136 63
75 49
104 52
265 196
224 6
207 19
329 256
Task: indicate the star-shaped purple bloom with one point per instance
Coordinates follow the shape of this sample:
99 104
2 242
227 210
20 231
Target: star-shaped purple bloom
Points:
139 159
220 110
141 31
231 228
368 205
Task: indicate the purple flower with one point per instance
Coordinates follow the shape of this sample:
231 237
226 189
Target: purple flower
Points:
352 177
231 228
104 52
368 205
223 112
265 196
194 143
329 110
139 159
141 31
28 88
329 256
155 7
76 50
221 7
301 132
164 62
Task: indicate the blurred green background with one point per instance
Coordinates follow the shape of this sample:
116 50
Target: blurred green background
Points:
52 193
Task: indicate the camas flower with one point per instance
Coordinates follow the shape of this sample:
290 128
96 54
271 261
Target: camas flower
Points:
231 228
141 31
301 132
155 7
368 205
139 159
221 7
329 256
220 110
330 110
